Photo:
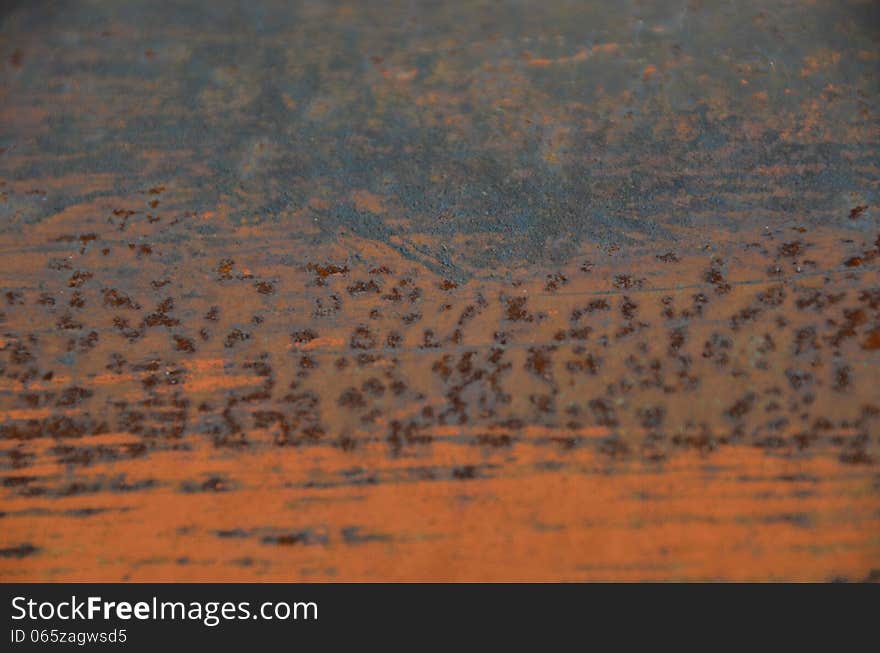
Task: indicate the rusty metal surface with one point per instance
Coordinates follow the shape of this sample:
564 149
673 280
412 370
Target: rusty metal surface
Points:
450 291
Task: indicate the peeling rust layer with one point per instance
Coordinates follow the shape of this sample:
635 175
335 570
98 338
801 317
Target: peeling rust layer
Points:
383 291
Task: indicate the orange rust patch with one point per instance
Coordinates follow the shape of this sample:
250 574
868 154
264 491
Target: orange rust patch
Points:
364 200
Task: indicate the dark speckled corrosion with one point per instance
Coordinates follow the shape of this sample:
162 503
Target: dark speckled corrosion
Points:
439 291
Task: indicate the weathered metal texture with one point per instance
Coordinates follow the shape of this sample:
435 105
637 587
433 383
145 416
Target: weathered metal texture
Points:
378 291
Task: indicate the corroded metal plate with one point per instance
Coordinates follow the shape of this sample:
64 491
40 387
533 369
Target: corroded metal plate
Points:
439 291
